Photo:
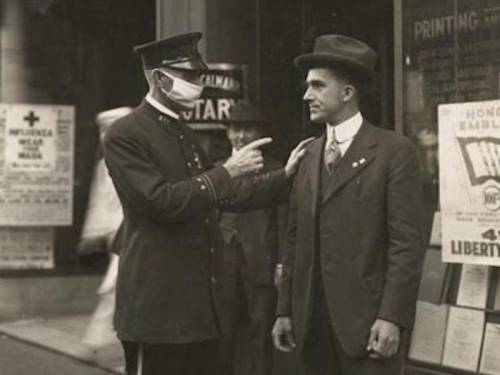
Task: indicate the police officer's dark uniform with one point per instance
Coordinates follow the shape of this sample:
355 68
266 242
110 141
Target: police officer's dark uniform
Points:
167 304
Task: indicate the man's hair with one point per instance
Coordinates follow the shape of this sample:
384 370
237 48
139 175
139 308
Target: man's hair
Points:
148 73
360 81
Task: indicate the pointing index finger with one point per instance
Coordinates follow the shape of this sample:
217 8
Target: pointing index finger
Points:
257 143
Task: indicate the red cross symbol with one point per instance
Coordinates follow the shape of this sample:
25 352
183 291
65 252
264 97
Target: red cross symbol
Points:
31 119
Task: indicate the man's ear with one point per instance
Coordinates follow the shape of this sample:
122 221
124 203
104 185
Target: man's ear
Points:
349 92
162 80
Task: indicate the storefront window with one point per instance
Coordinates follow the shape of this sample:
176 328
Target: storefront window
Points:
76 54
451 54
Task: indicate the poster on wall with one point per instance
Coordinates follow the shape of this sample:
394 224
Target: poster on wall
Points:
36 164
26 248
469 154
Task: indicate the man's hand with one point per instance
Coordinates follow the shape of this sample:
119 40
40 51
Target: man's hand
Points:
296 156
283 334
384 339
278 271
247 160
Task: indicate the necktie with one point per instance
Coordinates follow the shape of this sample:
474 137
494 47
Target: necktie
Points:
332 153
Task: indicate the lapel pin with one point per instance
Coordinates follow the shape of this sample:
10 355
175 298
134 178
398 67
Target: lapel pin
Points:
355 164
362 161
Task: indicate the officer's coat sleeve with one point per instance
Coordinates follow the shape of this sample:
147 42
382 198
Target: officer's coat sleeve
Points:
140 183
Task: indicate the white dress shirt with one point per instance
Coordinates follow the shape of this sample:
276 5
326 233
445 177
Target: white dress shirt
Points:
345 132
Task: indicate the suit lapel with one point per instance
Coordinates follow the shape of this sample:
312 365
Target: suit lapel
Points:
358 156
313 167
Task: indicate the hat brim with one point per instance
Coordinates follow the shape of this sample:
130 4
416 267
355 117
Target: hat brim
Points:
329 60
191 65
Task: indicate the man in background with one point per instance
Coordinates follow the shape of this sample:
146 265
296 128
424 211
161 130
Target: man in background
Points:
253 242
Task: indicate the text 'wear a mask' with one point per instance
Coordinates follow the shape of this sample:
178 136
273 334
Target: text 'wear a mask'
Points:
182 92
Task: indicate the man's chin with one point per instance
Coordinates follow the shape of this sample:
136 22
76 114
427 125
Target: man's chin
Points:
317 120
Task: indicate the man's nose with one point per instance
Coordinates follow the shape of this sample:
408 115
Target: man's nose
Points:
308 95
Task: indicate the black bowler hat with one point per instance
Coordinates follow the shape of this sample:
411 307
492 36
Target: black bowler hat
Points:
177 52
339 51
245 113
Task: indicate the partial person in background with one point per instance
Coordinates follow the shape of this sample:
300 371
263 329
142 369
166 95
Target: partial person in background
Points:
253 242
102 220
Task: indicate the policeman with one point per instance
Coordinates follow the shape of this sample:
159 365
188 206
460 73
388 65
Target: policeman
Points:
167 303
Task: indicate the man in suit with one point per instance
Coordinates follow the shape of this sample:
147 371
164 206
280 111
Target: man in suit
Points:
253 241
354 244
168 304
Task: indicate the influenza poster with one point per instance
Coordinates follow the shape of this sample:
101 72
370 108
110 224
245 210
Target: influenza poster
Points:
469 154
36 164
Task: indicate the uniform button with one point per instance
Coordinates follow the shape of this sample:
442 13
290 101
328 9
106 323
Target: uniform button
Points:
213 280
207 220
189 164
203 187
193 147
212 250
198 179
181 136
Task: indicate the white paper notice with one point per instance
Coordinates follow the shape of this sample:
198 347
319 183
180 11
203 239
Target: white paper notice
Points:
473 287
469 175
427 338
490 358
463 338
36 165
26 248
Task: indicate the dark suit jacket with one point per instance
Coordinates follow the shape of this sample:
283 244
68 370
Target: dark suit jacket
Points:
168 284
261 234
372 240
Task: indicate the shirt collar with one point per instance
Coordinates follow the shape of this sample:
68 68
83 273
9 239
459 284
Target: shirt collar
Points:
346 129
160 107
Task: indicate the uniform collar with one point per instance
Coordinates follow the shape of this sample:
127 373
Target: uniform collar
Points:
160 107
347 129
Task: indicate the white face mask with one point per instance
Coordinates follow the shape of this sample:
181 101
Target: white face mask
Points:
182 92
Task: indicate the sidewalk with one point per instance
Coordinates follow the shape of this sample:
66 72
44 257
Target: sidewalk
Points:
64 335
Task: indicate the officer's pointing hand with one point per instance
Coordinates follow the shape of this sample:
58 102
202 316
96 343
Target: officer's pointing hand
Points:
247 160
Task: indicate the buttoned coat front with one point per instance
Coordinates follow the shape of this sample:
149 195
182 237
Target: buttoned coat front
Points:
368 226
168 287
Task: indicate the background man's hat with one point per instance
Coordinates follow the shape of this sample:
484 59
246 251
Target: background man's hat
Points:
178 52
245 112
339 51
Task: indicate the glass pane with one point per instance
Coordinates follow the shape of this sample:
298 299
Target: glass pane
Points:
77 53
451 52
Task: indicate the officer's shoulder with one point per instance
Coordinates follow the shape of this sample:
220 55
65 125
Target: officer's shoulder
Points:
126 126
